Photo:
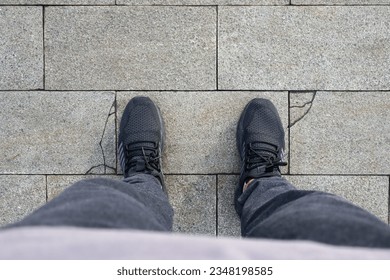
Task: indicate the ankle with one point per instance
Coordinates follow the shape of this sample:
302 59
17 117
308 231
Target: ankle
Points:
246 184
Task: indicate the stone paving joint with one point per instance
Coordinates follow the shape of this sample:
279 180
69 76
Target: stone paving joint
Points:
111 113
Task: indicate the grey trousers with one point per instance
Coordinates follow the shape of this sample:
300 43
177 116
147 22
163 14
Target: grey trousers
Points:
269 208
137 203
273 208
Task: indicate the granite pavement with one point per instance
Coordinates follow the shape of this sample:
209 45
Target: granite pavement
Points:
68 68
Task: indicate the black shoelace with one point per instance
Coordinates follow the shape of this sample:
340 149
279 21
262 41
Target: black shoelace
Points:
141 157
263 156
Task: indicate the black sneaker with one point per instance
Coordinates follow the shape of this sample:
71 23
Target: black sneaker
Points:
141 136
260 141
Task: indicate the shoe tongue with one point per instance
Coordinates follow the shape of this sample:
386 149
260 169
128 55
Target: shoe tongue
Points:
137 152
264 148
142 145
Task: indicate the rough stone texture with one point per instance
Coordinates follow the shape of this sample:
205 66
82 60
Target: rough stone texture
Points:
21 48
342 133
57 132
368 192
201 127
155 45
140 48
58 183
228 220
57 2
19 196
340 2
202 2
304 48
300 105
193 199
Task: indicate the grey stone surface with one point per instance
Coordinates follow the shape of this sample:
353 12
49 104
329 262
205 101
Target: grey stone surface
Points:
368 192
57 132
58 183
304 48
21 48
140 48
193 199
19 196
342 133
339 2
300 105
228 220
201 127
202 2
56 2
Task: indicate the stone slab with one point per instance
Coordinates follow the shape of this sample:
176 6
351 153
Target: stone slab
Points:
19 196
193 199
130 48
57 132
340 133
58 183
228 220
203 2
369 192
21 48
304 48
340 2
57 2
201 127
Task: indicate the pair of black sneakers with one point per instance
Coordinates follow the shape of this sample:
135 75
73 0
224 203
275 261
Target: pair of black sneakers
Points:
260 140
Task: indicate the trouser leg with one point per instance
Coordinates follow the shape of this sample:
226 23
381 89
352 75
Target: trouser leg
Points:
273 208
138 203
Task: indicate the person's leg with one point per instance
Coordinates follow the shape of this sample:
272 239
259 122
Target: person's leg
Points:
273 208
140 202
270 207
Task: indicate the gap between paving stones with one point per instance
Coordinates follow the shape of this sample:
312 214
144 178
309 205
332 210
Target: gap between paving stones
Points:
194 3
216 174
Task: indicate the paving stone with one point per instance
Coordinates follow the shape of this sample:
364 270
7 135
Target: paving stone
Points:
202 2
368 192
21 48
228 221
340 133
58 183
201 127
19 196
193 199
57 132
56 2
304 48
140 48
339 2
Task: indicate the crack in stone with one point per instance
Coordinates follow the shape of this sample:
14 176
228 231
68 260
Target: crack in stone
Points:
104 164
310 103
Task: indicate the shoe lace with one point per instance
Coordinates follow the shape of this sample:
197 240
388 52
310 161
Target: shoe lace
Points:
141 156
263 156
